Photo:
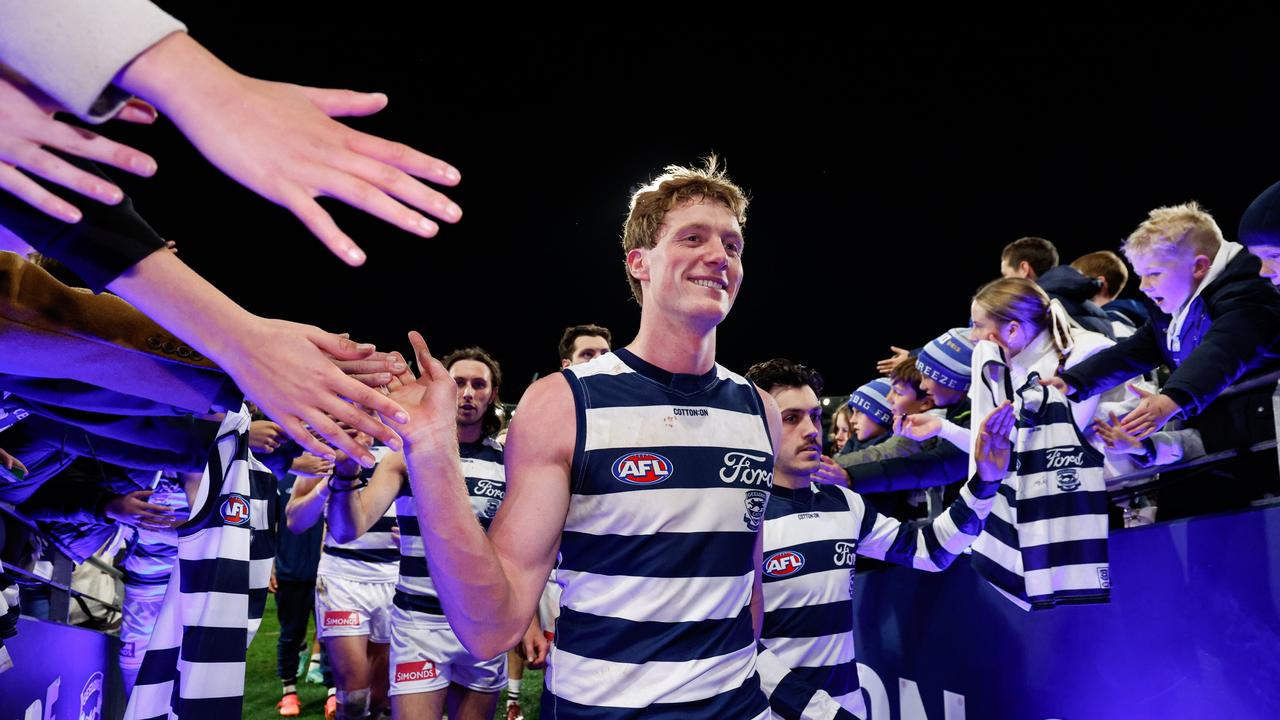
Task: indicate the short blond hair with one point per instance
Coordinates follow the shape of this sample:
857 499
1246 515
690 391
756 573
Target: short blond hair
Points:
1179 227
676 185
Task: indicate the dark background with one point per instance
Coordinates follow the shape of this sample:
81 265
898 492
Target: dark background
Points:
888 164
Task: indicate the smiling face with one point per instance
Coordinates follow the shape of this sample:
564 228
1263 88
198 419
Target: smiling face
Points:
694 270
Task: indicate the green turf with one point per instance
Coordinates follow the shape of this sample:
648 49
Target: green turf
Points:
262 687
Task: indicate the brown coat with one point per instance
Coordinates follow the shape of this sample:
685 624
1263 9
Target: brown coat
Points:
51 331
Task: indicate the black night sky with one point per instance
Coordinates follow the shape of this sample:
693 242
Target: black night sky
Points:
888 164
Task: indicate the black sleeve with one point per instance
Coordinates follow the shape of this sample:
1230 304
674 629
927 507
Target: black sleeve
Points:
1244 334
942 464
1135 355
108 240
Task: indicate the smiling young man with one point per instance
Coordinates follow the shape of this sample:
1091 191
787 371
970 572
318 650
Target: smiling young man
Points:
647 470
811 533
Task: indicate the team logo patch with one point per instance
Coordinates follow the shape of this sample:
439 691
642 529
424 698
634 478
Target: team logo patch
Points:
235 510
491 508
642 469
91 698
1068 480
341 618
755 501
783 563
414 671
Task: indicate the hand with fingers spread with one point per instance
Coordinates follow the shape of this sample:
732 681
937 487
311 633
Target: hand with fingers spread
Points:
287 368
27 127
886 366
281 141
1116 439
829 472
918 427
1151 414
431 400
994 445
265 436
133 509
375 370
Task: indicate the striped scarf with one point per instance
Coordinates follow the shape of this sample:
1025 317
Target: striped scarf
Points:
194 667
1045 542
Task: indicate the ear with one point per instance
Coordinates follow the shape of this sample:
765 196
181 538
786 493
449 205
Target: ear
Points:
565 362
1102 285
1200 267
1025 271
638 263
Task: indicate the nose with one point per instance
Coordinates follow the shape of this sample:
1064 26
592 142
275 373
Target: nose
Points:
814 431
716 255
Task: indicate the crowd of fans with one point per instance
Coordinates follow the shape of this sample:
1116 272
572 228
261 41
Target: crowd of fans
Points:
122 365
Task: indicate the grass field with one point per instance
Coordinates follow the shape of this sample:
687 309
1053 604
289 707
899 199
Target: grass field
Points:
262 687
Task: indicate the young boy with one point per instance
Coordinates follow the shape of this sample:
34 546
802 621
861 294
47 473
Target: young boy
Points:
874 407
906 396
1219 322
1109 271
944 378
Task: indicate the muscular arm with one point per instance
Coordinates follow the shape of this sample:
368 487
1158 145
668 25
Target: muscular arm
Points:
351 514
489 584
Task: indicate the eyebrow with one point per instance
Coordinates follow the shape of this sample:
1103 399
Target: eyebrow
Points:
703 227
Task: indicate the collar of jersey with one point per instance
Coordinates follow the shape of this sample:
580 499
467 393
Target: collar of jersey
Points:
682 383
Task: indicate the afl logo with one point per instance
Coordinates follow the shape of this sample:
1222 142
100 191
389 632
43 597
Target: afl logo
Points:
642 469
235 510
784 563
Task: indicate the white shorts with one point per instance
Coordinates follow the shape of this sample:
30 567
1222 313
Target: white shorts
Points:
549 606
142 605
426 657
346 608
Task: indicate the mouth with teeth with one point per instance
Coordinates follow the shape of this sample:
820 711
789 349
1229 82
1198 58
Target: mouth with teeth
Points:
713 284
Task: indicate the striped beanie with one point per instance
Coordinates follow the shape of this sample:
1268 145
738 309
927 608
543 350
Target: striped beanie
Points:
873 400
947 359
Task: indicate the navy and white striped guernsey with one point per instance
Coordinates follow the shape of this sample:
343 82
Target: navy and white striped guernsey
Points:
669 482
373 557
1045 543
487 486
194 667
810 537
